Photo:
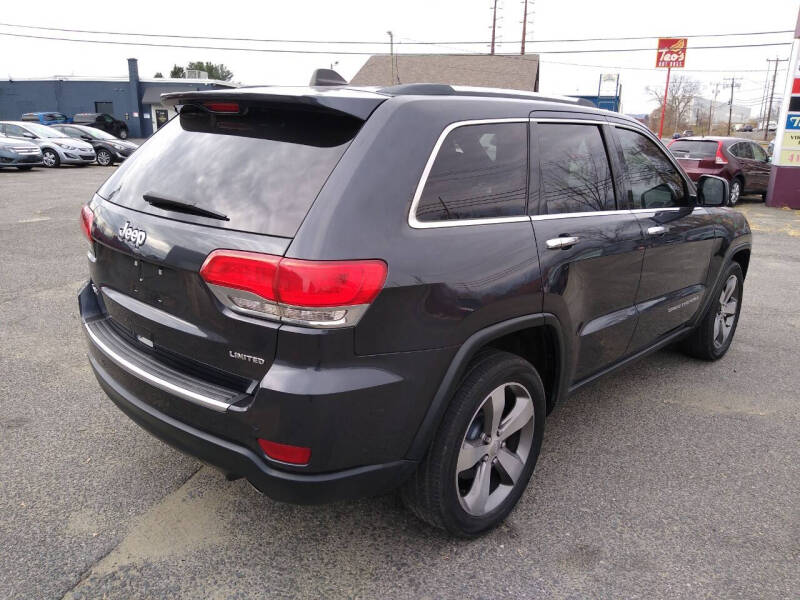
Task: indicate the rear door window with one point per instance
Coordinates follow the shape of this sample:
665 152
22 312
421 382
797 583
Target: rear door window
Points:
742 150
575 172
261 171
480 171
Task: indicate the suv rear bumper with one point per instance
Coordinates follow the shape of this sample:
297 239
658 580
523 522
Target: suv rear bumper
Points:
236 459
219 436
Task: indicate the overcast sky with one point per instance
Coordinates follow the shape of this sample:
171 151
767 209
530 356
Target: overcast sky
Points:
410 20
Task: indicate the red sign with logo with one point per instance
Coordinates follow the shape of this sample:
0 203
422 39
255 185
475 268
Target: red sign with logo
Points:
796 86
671 53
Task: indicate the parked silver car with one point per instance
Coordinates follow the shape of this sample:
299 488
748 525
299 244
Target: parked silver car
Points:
21 154
57 148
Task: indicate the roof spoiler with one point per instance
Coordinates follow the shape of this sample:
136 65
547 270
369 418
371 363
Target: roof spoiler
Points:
333 100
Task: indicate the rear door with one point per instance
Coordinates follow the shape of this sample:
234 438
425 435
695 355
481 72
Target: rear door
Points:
761 168
208 181
590 251
743 151
679 237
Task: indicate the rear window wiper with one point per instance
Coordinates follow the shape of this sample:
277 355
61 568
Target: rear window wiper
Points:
181 206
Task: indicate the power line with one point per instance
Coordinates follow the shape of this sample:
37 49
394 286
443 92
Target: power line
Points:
617 67
289 51
414 43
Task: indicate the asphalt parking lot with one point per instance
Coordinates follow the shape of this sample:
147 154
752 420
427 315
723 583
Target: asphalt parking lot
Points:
672 479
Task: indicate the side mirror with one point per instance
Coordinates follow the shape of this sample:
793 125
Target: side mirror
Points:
29 135
713 191
88 138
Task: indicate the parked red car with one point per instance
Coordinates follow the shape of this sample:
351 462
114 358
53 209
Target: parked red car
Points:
743 163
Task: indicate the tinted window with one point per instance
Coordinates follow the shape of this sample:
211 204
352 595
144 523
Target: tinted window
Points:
653 181
14 130
262 170
742 150
693 149
758 152
480 171
575 176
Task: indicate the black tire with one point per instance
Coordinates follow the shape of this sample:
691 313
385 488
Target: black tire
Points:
764 197
434 492
105 158
737 187
51 156
26 168
704 342
123 134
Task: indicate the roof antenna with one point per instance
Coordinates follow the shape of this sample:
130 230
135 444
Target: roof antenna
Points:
326 77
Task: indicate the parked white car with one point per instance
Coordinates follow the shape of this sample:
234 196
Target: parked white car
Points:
16 153
57 148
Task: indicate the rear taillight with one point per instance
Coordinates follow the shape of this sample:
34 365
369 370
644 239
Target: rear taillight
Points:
720 158
307 292
294 455
87 220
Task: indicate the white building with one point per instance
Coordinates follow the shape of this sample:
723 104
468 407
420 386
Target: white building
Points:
699 111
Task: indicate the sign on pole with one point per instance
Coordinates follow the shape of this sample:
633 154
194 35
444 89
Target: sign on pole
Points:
784 179
671 53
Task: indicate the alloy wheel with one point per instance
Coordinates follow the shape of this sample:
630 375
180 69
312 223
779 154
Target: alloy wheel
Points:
103 158
49 158
495 449
726 312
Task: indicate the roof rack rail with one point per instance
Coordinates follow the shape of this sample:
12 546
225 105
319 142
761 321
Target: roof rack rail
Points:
437 89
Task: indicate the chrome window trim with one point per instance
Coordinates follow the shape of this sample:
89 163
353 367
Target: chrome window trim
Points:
568 121
412 213
156 381
416 224
591 213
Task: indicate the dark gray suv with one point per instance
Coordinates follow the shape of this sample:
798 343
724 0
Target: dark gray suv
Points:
338 292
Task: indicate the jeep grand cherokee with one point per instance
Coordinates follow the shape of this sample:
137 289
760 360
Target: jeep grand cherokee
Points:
336 292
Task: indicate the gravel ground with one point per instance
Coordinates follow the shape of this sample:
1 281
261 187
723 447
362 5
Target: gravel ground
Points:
671 479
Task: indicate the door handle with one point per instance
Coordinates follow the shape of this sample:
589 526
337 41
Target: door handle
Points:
561 242
657 230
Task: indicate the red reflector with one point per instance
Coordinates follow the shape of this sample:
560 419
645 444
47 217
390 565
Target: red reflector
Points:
296 455
87 220
304 283
223 107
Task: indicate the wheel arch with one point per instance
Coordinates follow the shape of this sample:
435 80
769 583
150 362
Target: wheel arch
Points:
742 256
538 338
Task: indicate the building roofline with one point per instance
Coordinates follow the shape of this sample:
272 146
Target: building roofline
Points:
121 79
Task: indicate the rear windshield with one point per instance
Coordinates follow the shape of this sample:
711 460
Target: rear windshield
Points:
260 171
694 149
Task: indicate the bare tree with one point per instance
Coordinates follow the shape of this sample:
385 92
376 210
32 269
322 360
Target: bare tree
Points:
682 90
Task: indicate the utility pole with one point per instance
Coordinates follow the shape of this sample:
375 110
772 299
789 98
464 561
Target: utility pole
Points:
524 26
664 105
762 108
730 102
391 56
772 95
494 25
711 107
